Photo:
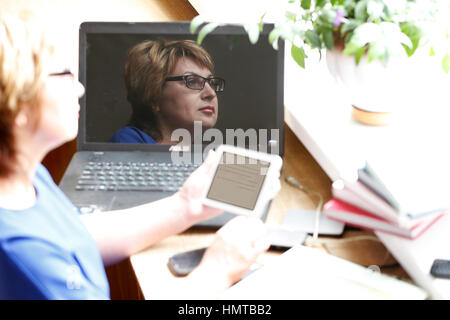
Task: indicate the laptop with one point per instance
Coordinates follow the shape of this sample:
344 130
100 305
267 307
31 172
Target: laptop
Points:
108 176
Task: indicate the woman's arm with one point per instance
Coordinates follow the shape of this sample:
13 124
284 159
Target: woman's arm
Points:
236 245
122 233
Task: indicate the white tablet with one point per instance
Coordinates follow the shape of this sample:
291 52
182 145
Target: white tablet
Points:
243 181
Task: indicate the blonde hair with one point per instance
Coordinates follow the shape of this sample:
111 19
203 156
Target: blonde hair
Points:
24 52
147 66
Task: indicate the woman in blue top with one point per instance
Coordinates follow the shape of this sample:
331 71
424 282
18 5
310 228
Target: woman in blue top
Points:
170 85
47 249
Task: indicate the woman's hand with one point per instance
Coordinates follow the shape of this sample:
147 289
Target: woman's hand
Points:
235 248
193 190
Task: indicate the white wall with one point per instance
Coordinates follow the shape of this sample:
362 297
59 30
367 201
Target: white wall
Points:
63 17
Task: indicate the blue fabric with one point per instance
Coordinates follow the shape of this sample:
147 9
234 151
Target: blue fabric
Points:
131 135
46 252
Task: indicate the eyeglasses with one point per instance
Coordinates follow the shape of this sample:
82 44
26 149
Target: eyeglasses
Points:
62 73
196 82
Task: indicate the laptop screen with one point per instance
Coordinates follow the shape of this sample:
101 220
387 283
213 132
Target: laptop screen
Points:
249 110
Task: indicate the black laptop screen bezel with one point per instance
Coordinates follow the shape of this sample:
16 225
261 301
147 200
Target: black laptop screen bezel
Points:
162 28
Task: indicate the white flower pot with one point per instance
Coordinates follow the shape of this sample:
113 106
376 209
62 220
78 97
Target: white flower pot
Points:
372 88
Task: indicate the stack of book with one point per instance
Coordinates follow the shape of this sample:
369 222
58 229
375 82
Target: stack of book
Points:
365 201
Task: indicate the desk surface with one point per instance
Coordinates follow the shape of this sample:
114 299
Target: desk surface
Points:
156 281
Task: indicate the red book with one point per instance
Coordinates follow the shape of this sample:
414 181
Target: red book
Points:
344 212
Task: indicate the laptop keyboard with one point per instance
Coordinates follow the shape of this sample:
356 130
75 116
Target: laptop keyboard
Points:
133 176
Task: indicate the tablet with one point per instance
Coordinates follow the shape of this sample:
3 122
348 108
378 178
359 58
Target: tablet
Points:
243 180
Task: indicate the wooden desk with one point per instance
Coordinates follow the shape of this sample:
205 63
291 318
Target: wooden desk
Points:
156 281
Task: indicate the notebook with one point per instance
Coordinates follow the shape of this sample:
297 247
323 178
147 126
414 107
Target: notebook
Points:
107 176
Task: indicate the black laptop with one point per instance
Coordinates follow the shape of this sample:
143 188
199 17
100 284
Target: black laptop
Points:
108 176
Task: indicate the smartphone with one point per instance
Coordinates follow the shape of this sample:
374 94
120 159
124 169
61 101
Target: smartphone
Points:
244 181
181 264
441 268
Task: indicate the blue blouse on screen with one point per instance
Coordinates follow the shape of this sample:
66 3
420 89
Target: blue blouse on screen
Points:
46 252
131 135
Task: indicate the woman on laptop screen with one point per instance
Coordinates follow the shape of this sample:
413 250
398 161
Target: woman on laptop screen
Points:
170 84
48 249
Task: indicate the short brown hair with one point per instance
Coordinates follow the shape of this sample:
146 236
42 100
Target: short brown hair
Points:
23 49
146 67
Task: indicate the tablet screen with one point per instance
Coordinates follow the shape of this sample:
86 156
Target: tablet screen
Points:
238 180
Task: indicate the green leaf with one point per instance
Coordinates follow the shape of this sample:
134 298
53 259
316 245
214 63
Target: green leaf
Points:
349 26
366 33
327 35
361 11
306 4
206 30
252 30
352 48
321 3
375 10
261 22
286 31
327 17
432 53
298 54
313 39
274 35
348 37
359 54
446 63
410 51
377 50
196 22
414 33
411 30
290 15
349 7
392 37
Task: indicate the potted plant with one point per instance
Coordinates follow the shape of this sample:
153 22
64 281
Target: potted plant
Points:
358 35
